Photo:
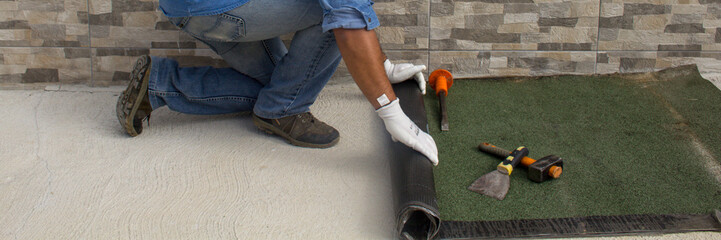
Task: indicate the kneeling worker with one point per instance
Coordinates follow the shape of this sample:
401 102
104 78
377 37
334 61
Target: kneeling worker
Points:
277 84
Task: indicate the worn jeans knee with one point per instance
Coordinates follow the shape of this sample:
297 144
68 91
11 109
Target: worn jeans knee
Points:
247 39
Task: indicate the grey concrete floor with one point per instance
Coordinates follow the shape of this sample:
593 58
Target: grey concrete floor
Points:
68 171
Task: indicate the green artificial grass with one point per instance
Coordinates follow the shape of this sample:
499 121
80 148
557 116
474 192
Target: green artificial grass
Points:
637 144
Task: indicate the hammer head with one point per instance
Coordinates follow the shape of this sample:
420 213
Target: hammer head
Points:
545 168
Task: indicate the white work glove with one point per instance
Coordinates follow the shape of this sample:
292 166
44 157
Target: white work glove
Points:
403 71
404 130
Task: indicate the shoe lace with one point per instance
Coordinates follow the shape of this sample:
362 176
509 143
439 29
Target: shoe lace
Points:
307 117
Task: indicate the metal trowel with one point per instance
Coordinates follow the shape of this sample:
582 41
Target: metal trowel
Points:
495 184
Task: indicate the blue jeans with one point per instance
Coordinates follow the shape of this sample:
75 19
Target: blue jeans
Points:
264 77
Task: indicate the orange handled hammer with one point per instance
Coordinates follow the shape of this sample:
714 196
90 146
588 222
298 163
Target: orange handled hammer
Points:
540 170
441 80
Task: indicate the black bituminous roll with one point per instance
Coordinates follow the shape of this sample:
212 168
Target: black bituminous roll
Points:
582 226
412 174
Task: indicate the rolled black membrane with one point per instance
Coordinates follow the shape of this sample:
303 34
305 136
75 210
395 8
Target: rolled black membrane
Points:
634 224
414 190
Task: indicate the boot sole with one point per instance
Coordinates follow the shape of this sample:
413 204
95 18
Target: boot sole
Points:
270 129
138 84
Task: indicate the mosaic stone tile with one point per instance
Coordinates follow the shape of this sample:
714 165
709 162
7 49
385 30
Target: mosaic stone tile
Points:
404 23
44 65
112 66
641 25
134 24
137 23
513 63
342 75
514 25
44 23
647 61
408 56
471 37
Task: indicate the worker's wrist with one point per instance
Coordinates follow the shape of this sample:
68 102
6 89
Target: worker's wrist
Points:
384 100
389 109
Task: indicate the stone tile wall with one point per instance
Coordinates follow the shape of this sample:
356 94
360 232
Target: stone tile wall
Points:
95 42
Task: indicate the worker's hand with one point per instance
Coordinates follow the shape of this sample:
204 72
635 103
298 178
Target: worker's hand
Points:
404 130
404 71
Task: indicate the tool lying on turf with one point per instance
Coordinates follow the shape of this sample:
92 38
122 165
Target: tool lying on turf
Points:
496 183
441 80
540 170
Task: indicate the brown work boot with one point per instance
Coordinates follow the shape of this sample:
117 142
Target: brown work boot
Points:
301 130
133 104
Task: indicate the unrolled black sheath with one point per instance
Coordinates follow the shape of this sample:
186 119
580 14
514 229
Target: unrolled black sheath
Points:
412 174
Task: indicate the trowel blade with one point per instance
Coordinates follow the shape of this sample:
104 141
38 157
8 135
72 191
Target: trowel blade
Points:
493 184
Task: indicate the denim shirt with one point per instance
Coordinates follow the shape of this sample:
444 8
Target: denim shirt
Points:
349 14
187 8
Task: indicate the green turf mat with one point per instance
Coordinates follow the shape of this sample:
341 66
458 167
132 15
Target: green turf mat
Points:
632 144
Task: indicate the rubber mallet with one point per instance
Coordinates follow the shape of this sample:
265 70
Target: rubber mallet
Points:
540 170
441 80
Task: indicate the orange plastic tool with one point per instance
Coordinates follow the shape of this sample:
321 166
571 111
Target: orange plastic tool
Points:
553 171
441 80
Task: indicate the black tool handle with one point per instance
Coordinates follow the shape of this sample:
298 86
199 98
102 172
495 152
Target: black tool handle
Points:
490 148
512 160
444 111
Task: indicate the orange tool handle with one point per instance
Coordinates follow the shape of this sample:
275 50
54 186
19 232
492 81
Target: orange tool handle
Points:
441 86
441 80
554 171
